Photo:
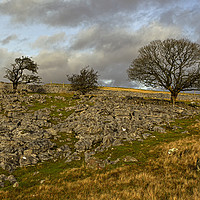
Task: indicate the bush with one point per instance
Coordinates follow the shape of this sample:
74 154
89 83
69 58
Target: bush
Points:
84 82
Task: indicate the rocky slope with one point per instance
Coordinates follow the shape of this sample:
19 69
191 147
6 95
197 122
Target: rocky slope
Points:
97 122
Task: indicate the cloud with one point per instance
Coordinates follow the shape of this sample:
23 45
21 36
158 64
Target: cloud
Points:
108 33
52 65
185 18
8 39
6 58
50 42
75 12
108 52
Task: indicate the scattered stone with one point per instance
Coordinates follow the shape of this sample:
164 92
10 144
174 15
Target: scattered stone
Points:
4 178
42 181
11 179
146 135
130 159
95 163
172 151
113 162
112 118
16 184
35 173
2 183
159 129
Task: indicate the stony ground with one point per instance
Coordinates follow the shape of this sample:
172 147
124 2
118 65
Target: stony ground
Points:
39 127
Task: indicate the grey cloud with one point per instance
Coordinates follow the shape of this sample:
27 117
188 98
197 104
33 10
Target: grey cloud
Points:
74 13
6 58
111 52
8 39
107 40
167 17
102 38
189 19
185 18
52 65
50 42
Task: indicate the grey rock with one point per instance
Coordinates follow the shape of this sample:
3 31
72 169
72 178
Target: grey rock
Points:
117 142
16 184
2 184
88 154
108 140
110 120
172 151
146 135
95 163
11 179
3 177
130 159
159 129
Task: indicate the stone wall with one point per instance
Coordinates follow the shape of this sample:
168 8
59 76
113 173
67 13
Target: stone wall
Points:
60 88
154 95
48 88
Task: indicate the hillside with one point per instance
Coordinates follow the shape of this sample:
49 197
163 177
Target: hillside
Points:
110 144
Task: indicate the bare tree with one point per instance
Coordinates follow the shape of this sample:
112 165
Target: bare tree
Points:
84 82
17 74
170 64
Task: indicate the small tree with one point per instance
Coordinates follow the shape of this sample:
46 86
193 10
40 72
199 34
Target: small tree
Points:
170 64
17 74
84 82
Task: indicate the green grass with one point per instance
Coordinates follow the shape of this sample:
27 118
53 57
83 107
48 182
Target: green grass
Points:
57 106
141 150
50 100
63 139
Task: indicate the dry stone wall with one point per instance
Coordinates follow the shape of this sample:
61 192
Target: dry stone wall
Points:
48 88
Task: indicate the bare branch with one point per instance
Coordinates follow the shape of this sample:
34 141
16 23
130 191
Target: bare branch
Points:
171 64
17 74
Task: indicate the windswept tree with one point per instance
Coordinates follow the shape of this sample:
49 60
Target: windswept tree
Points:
84 82
24 70
170 64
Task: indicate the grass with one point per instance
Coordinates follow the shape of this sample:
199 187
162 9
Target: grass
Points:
132 90
56 105
157 175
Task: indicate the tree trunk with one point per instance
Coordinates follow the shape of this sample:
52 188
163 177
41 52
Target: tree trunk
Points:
15 87
173 98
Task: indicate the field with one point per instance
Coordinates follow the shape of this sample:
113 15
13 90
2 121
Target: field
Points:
157 174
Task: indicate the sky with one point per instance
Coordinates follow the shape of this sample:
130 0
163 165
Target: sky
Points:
63 36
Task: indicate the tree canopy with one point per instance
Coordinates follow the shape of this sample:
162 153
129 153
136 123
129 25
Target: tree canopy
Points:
170 64
84 82
17 74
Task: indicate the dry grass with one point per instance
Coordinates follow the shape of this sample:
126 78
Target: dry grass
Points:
172 177
132 90
164 177
142 91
